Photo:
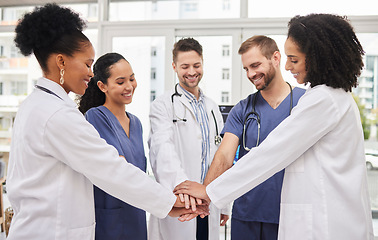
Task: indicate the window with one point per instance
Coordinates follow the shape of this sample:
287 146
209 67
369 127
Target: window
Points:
153 51
18 88
257 9
173 9
226 50
225 74
153 73
225 97
152 95
226 5
190 7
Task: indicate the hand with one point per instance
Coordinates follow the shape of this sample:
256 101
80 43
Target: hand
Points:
223 219
193 189
190 201
179 211
202 211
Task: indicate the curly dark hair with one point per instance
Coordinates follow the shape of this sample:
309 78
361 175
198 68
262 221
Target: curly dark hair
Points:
186 45
333 52
93 96
50 29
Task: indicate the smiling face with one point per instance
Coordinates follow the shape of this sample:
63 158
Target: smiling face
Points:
78 70
260 70
121 84
188 67
296 61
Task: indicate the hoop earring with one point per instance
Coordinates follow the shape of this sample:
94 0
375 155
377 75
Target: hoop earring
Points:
61 76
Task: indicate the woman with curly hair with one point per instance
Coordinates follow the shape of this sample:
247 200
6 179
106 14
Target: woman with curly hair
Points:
103 103
320 145
56 155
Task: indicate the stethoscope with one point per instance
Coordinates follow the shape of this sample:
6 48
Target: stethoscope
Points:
47 91
255 116
217 138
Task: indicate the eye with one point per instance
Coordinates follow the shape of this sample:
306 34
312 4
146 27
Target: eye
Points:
132 79
120 83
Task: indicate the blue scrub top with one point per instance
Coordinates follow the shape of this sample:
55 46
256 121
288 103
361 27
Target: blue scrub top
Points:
116 219
261 204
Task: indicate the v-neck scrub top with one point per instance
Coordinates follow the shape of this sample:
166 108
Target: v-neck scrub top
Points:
261 204
116 219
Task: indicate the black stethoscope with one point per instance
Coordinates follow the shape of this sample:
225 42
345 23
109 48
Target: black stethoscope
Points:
255 116
47 91
217 138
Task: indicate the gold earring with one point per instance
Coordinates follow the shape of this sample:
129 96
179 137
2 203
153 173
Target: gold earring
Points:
61 76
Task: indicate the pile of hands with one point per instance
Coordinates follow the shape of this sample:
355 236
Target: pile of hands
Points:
192 201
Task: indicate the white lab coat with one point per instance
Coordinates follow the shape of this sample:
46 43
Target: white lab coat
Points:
324 193
55 157
175 155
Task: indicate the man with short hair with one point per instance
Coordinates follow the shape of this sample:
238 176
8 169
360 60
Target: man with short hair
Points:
255 215
183 139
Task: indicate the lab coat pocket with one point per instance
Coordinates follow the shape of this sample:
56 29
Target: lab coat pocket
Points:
296 166
84 233
296 222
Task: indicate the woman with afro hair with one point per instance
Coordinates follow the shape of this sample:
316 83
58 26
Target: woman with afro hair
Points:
320 145
56 155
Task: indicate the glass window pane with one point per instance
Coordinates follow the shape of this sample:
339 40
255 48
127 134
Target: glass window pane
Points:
10 15
367 89
137 51
290 8
175 9
88 11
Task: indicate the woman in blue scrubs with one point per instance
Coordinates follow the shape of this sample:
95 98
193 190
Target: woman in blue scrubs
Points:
104 104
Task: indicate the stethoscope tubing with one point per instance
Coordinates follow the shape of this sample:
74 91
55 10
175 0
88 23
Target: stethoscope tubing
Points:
257 118
176 118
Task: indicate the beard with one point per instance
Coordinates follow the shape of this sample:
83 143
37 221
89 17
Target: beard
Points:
269 76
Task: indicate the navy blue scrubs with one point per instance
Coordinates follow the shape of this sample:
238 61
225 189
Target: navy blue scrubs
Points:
260 207
116 220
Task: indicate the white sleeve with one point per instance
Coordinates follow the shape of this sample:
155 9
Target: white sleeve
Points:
311 119
164 158
77 144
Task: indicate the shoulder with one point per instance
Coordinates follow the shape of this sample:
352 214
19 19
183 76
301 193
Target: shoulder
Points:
95 112
298 90
244 103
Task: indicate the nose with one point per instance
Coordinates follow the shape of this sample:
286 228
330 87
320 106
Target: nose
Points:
128 86
251 74
191 71
288 65
90 73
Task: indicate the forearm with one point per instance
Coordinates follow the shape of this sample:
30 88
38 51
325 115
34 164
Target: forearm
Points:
219 165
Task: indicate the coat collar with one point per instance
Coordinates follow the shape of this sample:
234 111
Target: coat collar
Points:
56 89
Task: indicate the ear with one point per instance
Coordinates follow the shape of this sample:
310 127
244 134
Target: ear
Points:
174 66
276 58
102 86
59 59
